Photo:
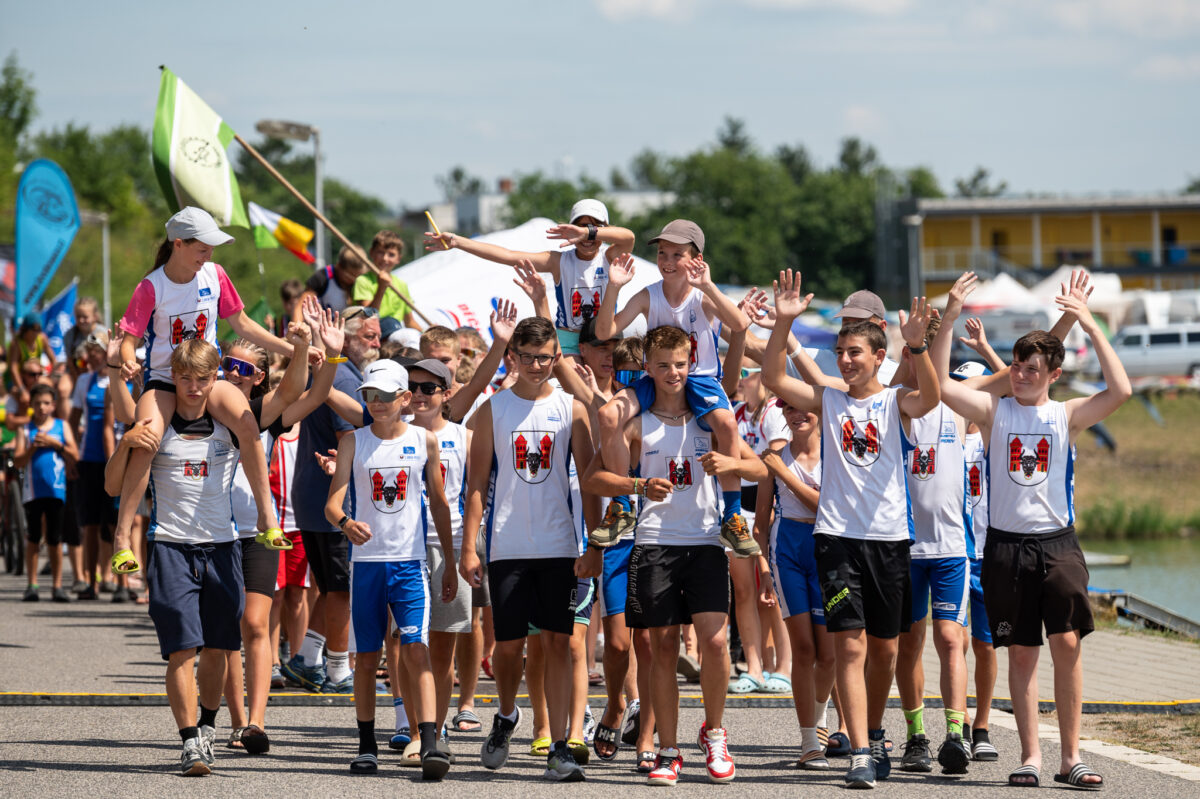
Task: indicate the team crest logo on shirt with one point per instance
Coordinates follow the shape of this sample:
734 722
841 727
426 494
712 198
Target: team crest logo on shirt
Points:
679 472
584 303
188 326
975 481
1029 457
533 451
923 461
860 441
389 488
195 470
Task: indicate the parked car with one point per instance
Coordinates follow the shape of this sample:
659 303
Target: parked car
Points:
1155 350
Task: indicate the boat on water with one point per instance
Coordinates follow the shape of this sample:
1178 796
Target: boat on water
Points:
1097 560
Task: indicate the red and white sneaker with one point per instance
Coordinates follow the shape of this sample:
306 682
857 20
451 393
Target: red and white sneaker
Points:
666 767
715 743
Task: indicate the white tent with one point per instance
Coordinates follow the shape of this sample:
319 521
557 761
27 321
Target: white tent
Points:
454 288
1002 291
1107 298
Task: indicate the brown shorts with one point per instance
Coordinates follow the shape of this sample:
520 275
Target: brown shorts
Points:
1034 580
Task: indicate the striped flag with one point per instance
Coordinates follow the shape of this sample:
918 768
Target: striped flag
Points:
189 144
272 230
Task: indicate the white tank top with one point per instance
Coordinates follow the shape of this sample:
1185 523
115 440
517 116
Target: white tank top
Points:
788 504
688 317
975 458
580 288
529 507
452 443
282 466
182 311
387 482
1031 468
190 488
937 487
863 492
691 513
245 511
771 426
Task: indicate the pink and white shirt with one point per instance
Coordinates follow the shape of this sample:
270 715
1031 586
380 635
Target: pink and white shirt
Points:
168 313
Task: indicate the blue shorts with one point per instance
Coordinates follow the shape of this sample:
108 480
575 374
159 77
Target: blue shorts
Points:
196 595
794 570
377 586
947 581
703 392
980 630
568 341
615 582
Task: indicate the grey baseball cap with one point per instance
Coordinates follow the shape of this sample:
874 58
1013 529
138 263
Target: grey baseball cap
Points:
682 231
196 223
439 370
862 305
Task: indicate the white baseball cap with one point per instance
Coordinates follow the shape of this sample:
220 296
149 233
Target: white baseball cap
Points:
196 223
407 337
593 208
970 369
385 375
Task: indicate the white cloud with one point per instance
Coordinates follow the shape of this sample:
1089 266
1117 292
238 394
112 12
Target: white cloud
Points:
874 7
862 120
620 10
1170 67
1152 18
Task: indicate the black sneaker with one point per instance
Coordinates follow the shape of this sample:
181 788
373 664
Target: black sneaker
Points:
31 594
561 765
60 595
916 755
120 595
494 752
953 756
87 594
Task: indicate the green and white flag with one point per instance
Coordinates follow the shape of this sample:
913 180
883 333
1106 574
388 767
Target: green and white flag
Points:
189 146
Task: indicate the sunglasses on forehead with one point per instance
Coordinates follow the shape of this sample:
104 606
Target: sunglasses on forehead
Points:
746 372
364 311
377 395
236 366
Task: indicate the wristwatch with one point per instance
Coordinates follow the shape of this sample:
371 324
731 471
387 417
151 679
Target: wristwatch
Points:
591 232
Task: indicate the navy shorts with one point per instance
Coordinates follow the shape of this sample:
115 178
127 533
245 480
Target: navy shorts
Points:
794 570
196 595
947 581
703 393
615 582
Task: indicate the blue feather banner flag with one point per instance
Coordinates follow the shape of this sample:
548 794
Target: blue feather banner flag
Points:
46 223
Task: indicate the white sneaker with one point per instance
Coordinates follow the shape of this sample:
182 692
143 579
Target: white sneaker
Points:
715 743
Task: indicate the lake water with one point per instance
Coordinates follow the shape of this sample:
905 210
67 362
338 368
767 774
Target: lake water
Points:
1166 572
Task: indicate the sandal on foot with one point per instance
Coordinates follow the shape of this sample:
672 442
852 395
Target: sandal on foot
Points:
1027 776
631 728
776 684
235 738
124 562
579 750
823 736
645 763
365 764
434 764
1075 777
540 747
606 736
839 745
813 760
412 754
255 741
745 684
274 539
468 718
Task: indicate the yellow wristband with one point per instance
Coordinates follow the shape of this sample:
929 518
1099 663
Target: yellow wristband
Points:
337 359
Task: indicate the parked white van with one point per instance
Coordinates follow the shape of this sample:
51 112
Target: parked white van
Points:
1155 350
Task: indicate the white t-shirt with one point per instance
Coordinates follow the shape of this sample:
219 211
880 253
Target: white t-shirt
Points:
529 504
387 482
863 493
689 317
452 444
975 458
789 505
1031 468
691 513
282 466
936 476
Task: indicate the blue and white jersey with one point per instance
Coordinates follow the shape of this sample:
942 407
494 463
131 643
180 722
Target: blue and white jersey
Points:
387 485
452 449
688 316
46 474
937 485
580 288
975 458
1031 468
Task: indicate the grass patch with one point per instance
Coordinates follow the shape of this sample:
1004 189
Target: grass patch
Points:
1141 490
1167 734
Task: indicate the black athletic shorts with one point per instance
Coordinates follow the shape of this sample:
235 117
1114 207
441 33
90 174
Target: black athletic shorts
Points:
1031 580
864 584
92 504
541 592
329 559
669 584
49 510
260 567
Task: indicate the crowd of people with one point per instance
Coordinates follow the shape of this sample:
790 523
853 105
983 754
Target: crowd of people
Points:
344 497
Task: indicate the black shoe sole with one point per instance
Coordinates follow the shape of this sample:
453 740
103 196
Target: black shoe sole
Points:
953 760
917 768
434 766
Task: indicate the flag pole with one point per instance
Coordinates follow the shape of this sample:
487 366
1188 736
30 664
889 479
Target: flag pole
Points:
354 248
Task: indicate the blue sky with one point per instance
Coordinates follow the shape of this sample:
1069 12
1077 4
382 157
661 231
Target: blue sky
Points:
1053 96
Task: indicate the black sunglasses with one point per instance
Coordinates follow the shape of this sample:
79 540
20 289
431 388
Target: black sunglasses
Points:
426 388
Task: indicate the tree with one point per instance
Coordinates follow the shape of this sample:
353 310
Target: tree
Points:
857 158
535 195
732 136
796 161
1193 186
650 170
923 183
617 180
457 183
18 104
979 185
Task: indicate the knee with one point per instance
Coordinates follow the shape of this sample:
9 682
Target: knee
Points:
713 644
804 653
